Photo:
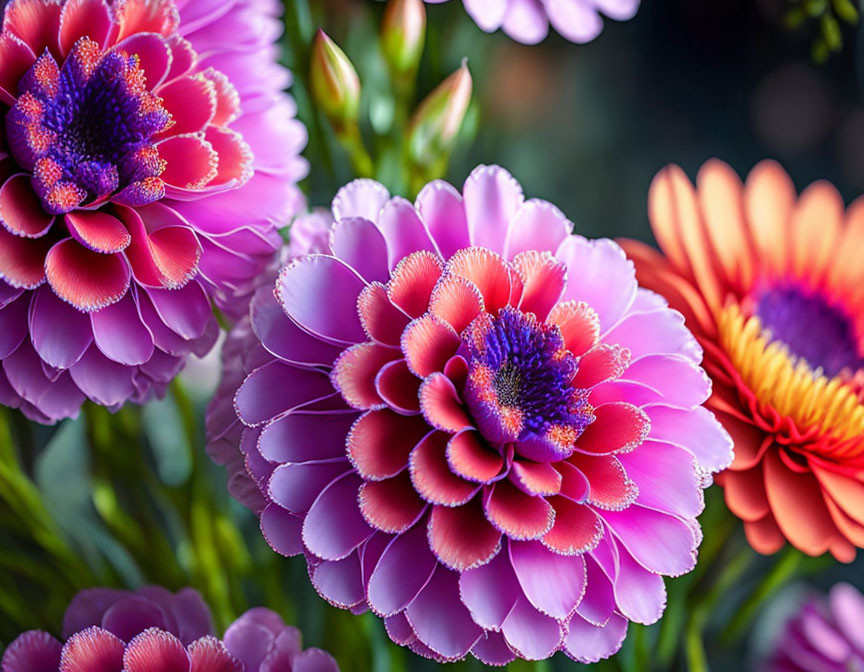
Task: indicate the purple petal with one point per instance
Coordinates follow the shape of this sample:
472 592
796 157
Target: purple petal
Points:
282 530
13 325
492 649
534 636
658 541
697 431
588 643
492 199
339 582
490 591
403 230
132 616
439 618
334 525
87 608
105 382
33 651
120 333
284 440
185 311
539 225
440 206
264 394
405 567
193 616
59 333
314 660
360 198
360 244
296 486
553 583
249 642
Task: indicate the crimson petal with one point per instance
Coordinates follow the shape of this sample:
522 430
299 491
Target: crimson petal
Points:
22 261
461 537
21 210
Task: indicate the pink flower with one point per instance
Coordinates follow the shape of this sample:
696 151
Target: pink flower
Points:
473 423
148 157
527 21
153 630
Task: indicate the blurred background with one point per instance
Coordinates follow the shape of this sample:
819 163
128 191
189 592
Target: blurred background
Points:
131 499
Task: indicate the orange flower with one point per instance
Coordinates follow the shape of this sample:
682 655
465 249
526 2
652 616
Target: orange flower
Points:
772 284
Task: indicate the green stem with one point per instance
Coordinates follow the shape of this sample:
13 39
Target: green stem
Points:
351 140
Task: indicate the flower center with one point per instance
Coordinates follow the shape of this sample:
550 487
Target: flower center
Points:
520 385
87 130
811 328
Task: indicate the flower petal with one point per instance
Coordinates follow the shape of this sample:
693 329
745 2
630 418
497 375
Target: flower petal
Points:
21 210
402 572
461 537
88 280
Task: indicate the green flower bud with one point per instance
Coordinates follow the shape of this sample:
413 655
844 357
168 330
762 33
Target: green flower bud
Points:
334 81
403 32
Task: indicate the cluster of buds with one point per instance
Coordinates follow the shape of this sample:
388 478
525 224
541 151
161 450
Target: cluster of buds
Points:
434 125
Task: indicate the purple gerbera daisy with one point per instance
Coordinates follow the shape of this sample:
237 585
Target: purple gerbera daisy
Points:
146 159
153 630
473 423
527 21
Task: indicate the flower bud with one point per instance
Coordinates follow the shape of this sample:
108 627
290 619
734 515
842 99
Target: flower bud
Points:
334 81
436 122
403 32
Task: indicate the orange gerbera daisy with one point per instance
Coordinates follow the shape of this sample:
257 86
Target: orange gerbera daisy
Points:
772 284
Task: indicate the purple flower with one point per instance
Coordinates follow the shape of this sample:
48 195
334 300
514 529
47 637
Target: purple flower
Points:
473 423
153 630
147 158
527 21
825 635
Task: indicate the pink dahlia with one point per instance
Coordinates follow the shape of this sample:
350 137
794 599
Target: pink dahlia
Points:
527 21
146 158
153 630
474 424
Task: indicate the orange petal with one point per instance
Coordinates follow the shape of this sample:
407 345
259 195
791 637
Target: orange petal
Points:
769 197
764 535
745 494
816 226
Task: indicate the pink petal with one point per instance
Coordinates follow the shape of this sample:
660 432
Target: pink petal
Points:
611 488
37 23
398 387
360 198
120 334
92 650
355 371
660 542
21 210
227 99
431 475
618 428
553 583
660 331
539 225
402 572
576 20
191 161
600 275
440 206
380 442
155 651
439 618
579 324
412 281
472 458
17 59
574 484
441 405
639 593
403 230
456 301
191 101
88 280
589 643
146 16
208 654
544 278
516 514
428 343
391 505
154 56
598 604
84 18
381 320
487 271
577 528
605 362
667 478
536 478
302 283
334 526
461 537
676 378
359 243
22 261
98 231
235 156
264 395
533 635
697 431
492 200
490 591
32 651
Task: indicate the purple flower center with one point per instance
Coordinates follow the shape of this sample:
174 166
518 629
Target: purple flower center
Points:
87 130
811 328
520 383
